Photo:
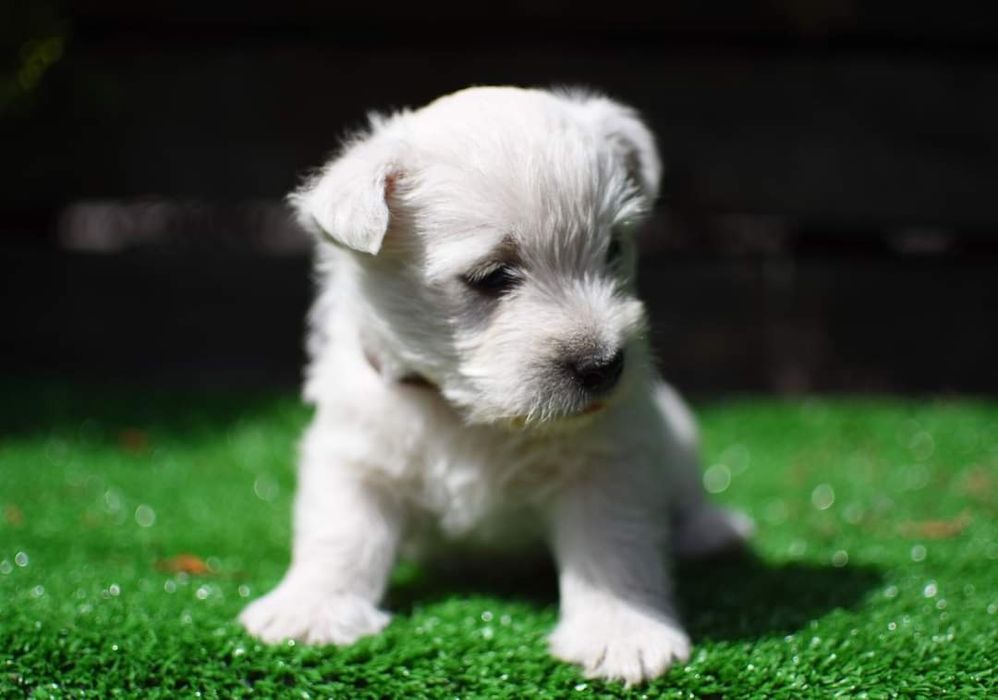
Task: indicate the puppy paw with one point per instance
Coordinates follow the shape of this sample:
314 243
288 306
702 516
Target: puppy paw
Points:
624 645
296 612
709 530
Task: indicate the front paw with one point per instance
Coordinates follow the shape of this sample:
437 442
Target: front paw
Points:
622 644
302 612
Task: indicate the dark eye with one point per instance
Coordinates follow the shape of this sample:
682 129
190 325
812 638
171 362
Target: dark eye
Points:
613 252
493 282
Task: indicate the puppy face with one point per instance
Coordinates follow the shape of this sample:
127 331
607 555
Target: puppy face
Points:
493 234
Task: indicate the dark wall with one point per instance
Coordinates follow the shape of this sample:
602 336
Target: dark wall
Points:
828 114
828 219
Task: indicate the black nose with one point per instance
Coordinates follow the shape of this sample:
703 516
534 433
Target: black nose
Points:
598 374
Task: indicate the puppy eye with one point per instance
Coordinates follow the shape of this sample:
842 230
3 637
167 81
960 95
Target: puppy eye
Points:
493 282
614 252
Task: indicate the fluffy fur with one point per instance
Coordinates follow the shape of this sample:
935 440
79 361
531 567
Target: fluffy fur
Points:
498 442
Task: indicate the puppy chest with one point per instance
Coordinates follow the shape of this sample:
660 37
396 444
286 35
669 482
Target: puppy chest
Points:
492 497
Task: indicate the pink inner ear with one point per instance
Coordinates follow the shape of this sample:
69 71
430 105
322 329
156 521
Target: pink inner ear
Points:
391 179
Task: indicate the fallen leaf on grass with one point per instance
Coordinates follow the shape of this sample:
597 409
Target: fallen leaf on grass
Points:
13 515
978 483
185 563
133 440
937 529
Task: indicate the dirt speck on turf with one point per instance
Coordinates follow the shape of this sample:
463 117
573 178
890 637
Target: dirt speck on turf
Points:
13 515
185 563
134 441
936 529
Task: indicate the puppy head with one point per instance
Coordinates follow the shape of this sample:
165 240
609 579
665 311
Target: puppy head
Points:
491 234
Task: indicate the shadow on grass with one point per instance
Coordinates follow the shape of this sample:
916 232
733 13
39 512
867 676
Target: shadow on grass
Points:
735 598
743 597
532 580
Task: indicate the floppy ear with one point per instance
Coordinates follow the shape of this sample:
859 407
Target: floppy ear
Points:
629 137
348 200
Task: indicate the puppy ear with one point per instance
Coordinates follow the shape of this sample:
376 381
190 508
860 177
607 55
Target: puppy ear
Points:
348 201
629 137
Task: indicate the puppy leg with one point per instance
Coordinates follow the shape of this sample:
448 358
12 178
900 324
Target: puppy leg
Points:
616 615
709 531
346 534
699 528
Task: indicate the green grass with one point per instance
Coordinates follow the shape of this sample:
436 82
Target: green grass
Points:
875 568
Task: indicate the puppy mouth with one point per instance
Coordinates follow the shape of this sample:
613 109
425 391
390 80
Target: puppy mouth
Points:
593 408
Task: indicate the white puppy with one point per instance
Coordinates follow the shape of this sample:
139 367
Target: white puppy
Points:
480 372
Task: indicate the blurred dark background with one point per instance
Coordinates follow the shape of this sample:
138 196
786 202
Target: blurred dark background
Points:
829 221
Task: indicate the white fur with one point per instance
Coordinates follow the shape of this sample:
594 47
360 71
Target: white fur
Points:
503 449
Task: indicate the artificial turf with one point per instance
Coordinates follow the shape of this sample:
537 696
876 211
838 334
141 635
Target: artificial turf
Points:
136 524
